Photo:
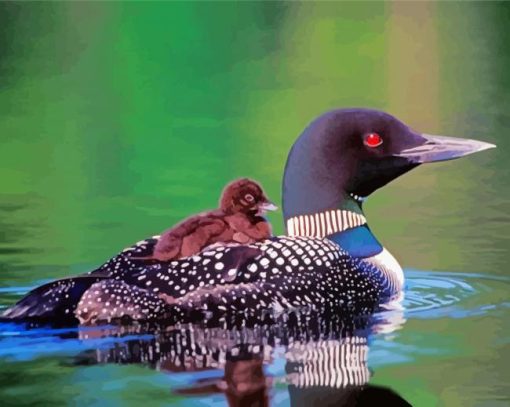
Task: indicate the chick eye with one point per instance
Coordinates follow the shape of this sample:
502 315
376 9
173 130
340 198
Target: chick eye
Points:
373 140
249 198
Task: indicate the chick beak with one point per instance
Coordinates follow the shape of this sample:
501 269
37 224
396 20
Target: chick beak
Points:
266 206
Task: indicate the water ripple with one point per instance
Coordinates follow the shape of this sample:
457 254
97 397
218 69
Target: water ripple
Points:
456 295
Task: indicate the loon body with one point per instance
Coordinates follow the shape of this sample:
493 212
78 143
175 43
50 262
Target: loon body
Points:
329 261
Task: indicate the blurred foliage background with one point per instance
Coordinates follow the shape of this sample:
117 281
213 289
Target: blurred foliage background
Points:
120 119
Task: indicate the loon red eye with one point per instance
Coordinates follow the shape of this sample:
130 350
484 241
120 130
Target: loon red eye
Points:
373 140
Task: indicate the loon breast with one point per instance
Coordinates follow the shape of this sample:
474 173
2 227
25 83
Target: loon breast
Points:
337 221
389 266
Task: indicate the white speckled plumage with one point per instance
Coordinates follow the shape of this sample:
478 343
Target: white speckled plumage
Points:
290 273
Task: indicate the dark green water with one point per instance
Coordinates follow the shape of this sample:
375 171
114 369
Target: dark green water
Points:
119 119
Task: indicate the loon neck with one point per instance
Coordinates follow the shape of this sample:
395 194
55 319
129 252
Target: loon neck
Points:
346 226
327 222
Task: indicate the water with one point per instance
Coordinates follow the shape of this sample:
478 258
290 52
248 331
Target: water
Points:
123 363
120 119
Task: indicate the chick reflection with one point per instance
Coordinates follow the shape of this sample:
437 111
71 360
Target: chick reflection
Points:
244 384
325 361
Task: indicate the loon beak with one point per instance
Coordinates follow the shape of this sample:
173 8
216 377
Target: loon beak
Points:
441 148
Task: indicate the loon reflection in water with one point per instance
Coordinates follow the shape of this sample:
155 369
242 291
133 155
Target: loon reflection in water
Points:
325 360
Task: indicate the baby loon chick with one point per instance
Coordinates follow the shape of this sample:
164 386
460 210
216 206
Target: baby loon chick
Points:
238 220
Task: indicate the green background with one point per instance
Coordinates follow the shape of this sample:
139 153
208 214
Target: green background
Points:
119 119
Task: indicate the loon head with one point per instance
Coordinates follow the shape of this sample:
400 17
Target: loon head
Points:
345 155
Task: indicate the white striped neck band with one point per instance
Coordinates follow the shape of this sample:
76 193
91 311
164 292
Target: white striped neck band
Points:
324 224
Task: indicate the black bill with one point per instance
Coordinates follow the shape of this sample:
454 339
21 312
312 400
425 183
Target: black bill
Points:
441 148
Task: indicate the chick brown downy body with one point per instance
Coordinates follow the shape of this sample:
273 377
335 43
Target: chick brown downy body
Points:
237 220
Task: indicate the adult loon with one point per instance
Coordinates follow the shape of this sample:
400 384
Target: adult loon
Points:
329 260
